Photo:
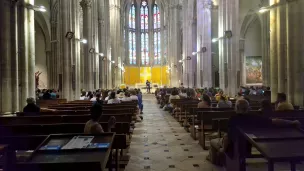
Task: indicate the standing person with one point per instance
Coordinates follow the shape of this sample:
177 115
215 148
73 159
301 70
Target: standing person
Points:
148 86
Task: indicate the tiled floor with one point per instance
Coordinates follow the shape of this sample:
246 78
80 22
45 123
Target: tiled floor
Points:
159 143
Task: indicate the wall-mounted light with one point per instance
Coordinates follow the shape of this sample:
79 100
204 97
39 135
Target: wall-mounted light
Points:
113 62
41 9
101 54
84 41
36 7
263 9
194 53
180 61
215 40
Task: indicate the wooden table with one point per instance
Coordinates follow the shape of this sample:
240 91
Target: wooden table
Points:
276 144
69 160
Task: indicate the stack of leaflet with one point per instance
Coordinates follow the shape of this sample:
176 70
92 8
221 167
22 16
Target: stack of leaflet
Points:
78 142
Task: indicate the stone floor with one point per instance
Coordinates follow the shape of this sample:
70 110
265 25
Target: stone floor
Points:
159 143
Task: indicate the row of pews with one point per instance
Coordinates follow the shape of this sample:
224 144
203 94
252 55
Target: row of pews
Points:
25 135
205 124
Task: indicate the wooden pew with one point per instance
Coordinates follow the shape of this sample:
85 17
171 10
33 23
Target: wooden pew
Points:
46 103
25 144
49 119
195 112
59 128
219 120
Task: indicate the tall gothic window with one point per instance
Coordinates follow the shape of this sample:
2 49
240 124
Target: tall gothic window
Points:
156 29
132 35
144 22
141 29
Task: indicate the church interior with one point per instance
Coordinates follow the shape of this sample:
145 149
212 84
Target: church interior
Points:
160 85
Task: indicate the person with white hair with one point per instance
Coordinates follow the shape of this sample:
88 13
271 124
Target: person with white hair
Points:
31 106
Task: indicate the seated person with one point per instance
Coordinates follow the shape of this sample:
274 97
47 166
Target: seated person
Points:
282 104
133 95
224 103
219 95
239 97
53 94
93 126
83 96
266 106
46 95
183 93
205 103
31 106
113 99
98 99
127 97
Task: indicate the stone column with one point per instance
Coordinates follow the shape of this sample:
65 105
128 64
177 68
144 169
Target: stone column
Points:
66 50
5 58
273 53
87 34
204 59
188 23
282 47
295 61
229 47
102 41
26 30
95 45
115 38
265 49
14 57
174 40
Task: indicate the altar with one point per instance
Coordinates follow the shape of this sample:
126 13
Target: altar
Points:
137 76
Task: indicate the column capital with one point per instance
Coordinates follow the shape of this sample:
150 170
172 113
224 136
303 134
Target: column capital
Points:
86 4
207 4
114 7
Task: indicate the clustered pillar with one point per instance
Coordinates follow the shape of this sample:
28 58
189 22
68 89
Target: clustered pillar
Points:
229 59
17 48
204 55
188 43
286 52
174 51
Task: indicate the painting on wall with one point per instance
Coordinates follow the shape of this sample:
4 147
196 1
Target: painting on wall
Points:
253 70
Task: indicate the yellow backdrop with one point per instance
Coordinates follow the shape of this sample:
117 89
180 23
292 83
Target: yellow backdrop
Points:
135 75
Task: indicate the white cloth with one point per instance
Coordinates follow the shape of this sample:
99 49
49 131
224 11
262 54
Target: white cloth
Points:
126 99
93 99
82 98
133 97
107 98
173 97
114 101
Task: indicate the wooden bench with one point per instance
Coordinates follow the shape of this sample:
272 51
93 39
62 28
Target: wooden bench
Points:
49 119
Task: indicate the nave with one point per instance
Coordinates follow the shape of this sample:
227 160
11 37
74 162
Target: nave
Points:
160 143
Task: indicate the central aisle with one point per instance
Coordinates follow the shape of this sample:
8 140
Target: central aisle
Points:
159 143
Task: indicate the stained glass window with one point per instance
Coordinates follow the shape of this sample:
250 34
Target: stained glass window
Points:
132 36
157 34
144 21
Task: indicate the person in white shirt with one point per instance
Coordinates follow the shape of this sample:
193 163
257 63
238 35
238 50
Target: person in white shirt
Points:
107 98
83 96
183 93
127 97
133 95
113 99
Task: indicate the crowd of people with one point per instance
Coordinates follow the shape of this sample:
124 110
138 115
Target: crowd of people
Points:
242 118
